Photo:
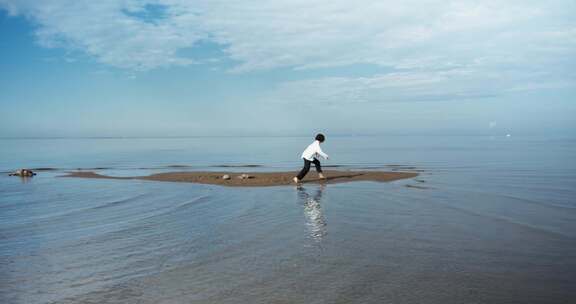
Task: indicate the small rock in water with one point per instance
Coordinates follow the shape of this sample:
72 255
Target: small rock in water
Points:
226 177
23 172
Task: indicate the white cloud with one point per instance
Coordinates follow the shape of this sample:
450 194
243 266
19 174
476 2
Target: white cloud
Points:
460 83
103 29
295 33
436 47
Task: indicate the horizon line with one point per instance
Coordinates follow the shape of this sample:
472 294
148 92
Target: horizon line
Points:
503 134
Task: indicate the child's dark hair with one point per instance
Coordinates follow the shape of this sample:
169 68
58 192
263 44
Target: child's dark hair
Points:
320 137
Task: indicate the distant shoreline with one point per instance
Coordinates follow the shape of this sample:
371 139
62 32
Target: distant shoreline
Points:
258 179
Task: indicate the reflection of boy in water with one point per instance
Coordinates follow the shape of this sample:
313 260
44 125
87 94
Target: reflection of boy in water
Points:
313 212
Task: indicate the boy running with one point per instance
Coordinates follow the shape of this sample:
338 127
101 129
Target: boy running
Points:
310 155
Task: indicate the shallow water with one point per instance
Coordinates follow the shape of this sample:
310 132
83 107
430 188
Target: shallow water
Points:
489 220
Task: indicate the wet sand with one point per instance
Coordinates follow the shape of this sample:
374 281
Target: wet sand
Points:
259 179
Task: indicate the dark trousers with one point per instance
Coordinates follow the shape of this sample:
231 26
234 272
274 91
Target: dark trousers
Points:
306 168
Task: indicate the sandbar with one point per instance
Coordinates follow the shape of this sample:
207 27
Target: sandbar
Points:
258 179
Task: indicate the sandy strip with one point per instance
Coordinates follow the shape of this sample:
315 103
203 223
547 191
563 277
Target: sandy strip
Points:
259 179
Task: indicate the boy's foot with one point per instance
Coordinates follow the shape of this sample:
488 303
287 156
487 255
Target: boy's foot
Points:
321 176
296 180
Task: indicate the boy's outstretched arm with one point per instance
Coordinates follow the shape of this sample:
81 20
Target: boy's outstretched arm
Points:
321 153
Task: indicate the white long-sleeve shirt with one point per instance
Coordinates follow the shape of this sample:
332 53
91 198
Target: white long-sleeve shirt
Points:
314 151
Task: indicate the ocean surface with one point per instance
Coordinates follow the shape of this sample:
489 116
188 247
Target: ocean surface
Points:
488 220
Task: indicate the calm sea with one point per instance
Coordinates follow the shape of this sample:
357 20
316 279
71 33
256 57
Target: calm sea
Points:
488 220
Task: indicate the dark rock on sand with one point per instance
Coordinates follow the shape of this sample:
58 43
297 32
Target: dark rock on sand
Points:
23 173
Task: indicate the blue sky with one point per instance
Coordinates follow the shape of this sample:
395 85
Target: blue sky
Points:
182 68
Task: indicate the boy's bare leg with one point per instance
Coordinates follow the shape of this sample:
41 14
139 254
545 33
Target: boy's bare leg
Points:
321 176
